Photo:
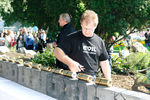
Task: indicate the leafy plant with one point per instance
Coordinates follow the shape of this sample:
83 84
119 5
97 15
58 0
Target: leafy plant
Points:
46 58
136 61
133 62
116 65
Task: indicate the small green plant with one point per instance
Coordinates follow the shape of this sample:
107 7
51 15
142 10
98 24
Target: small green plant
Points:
116 65
46 58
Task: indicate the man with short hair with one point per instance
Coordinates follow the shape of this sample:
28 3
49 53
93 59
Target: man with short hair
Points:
83 51
67 28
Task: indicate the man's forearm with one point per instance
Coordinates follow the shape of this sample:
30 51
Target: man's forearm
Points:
106 69
61 56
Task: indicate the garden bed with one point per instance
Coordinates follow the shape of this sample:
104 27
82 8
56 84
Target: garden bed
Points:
126 82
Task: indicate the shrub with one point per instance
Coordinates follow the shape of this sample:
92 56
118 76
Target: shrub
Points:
46 58
137 65
133 62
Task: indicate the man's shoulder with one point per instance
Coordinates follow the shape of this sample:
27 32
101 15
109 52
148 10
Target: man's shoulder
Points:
98 40
74 34
97 37
68 27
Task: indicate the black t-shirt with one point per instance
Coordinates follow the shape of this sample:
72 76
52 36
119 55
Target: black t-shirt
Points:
88 51
66 30
147 36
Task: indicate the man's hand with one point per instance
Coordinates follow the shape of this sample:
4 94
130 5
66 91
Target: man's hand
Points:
76 67
73 65
54 44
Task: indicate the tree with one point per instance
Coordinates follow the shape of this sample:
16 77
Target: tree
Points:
42 13
5 6
120 16
115 16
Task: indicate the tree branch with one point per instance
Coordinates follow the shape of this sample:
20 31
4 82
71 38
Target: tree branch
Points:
139 71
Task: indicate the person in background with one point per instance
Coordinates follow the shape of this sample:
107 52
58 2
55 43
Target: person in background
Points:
67 28
5 32
9 41
29 41
3 35
16 35
21 39
2 39
147 38
42 41
43 36
83 51
36 40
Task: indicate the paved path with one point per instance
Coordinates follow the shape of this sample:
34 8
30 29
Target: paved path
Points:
10 90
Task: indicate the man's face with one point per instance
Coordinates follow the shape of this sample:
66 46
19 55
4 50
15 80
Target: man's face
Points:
88 28
61 21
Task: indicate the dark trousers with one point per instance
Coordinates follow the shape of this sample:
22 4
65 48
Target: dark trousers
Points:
29 47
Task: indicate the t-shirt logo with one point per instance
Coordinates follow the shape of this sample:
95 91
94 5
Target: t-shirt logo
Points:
89 49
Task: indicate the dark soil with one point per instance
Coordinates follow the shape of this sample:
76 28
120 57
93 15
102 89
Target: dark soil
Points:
126 82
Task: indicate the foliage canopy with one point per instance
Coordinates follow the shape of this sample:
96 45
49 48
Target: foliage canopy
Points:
115 16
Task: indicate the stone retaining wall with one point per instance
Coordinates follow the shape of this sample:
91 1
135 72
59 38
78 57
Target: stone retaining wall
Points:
62 87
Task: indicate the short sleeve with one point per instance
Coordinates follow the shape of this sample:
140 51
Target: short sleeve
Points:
104 55
65 45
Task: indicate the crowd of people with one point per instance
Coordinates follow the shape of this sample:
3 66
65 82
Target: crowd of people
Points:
31 40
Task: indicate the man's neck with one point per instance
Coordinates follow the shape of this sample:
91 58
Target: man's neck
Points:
65 24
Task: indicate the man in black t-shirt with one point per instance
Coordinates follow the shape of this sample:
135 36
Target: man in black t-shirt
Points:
67 28
83 51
